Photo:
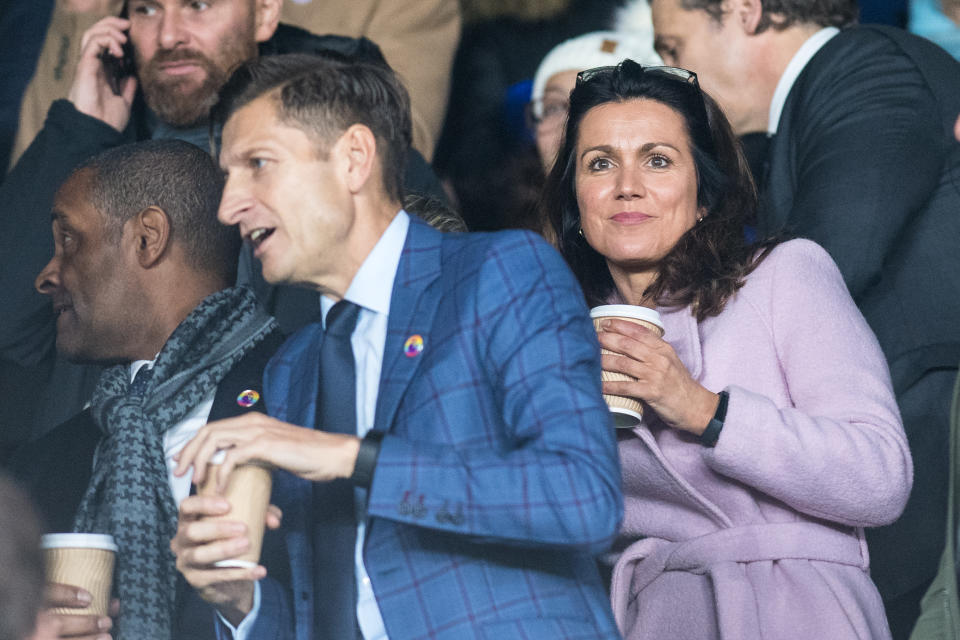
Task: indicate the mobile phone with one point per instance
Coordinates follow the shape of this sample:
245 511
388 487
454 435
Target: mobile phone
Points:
116 69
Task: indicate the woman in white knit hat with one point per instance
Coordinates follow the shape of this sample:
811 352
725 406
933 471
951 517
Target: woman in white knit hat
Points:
557 75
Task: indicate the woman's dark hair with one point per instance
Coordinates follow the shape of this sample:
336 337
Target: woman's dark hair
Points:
709 262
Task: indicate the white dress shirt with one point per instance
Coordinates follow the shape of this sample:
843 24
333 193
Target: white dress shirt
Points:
175 439
371 289
792 72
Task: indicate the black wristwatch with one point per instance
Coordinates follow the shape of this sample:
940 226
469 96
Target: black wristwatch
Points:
710 435
366 462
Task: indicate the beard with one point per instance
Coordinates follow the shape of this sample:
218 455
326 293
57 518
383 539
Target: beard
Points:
185 101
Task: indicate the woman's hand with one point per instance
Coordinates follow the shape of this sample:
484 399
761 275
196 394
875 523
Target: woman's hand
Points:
662 380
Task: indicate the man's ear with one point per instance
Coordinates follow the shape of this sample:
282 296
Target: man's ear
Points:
151 234
267 17
747 13
358 149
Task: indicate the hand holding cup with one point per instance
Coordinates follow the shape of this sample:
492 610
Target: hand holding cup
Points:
639 365
627 411
219 537
79 579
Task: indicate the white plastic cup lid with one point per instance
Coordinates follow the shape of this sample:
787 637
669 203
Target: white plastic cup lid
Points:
233 563
627 311
625 418
78 541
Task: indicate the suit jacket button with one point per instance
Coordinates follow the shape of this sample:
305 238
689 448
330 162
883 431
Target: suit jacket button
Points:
405 507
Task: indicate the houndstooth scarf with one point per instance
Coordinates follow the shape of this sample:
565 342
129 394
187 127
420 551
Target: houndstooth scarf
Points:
129 493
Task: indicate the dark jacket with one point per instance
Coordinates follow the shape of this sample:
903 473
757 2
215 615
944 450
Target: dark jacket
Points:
55 469
864 162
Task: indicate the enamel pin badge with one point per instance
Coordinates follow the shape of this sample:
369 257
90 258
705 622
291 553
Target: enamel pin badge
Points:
413 346
248 398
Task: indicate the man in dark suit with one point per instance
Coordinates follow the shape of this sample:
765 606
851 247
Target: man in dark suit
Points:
140 281
451 468
862 160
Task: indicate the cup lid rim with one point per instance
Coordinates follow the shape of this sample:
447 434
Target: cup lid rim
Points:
78 541
629 311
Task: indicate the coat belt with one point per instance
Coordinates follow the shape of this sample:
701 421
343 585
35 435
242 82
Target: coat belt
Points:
718 554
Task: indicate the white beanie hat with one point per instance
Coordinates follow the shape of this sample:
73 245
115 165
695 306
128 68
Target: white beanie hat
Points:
636 18
597 49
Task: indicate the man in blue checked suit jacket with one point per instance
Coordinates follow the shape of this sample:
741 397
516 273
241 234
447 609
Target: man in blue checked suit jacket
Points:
470 477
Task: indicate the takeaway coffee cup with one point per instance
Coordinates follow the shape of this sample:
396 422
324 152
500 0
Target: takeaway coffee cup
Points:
82 560
248 492
626 411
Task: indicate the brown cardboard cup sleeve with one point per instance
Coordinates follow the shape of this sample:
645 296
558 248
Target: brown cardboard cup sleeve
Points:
627 412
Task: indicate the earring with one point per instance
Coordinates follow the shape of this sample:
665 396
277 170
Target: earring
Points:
700 219
580 231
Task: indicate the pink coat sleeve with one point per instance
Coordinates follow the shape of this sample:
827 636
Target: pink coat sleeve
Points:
839 452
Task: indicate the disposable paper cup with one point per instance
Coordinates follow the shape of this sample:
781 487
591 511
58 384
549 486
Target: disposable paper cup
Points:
248 492
627 412
82 560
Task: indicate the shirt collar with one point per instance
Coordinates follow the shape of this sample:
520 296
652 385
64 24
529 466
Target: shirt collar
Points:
372 286
792 72
136 365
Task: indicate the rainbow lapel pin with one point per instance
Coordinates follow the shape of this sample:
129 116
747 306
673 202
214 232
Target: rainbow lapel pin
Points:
248 398
413 346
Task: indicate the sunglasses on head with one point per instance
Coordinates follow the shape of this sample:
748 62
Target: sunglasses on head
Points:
673 73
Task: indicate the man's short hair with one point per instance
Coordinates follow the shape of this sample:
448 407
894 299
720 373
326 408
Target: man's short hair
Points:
324 96
177 177
780 14
22 577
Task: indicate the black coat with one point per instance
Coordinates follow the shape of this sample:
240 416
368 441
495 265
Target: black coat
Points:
55 469
864 162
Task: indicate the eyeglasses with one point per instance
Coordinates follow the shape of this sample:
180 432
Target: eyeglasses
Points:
674 73
546 112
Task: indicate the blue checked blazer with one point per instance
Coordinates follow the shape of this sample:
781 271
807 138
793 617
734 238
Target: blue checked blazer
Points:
498 480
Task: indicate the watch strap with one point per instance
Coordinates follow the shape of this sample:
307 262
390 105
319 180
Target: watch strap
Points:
366 462
711 434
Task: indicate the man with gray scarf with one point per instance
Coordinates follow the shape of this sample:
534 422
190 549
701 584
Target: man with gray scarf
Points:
140 280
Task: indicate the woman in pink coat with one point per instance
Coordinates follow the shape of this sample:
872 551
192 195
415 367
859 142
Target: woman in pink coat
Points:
771 436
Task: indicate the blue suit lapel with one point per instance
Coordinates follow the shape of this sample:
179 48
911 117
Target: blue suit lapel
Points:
293 377
413 306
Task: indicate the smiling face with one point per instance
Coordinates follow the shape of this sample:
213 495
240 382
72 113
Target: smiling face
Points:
636 182
290 203
90 279
185 51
